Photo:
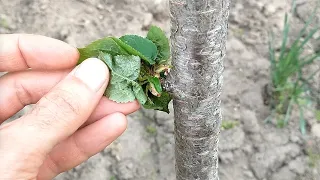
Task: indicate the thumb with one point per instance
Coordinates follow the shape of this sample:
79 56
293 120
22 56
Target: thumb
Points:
66 107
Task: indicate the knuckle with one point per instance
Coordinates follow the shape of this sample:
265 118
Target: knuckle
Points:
59 105
23 95
45 117
65 101
53 165
83 155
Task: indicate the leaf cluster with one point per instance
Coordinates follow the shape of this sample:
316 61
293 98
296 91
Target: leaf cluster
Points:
138 66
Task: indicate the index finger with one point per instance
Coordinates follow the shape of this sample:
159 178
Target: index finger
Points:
23 51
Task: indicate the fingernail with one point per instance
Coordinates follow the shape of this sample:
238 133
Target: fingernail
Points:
93 72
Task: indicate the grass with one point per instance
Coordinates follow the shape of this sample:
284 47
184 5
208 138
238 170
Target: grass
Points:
318 115
314 158
225 125
290 84
238 32
4 23
151 130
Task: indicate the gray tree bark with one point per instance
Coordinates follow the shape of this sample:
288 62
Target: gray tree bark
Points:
198 38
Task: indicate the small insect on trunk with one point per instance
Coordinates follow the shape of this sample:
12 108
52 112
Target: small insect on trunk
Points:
198 39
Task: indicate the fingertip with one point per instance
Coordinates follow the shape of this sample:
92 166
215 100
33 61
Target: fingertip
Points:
119 122
97 63
135 106
94 73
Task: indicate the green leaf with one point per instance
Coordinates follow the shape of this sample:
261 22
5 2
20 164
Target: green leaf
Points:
318 115
139 93
106 58
158 37
139 46
158 103
120 89
106 45
124 73
156 84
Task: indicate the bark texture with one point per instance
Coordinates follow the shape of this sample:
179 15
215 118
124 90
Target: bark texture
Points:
198 37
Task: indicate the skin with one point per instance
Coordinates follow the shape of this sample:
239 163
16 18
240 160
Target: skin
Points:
70 121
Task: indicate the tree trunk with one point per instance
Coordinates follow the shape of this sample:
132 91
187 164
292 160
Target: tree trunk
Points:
198 37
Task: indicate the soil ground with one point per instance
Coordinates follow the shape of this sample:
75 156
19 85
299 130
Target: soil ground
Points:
252 150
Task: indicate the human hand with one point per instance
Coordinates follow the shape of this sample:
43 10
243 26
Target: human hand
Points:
70 122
